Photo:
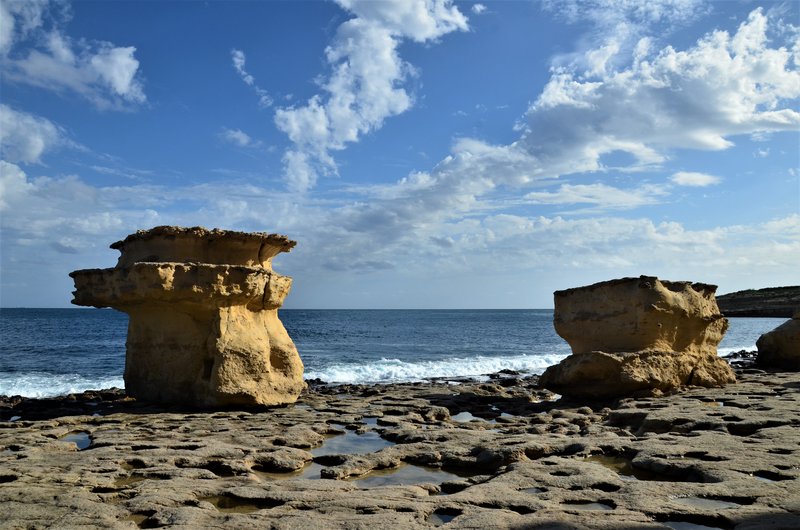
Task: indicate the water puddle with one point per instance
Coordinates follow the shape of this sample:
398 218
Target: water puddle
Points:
586 505
403 476
309 471
443 516
770 476
370 421
706 503
230 504
625 469
533 490
351 443
679 525
79 438
463 417
466 417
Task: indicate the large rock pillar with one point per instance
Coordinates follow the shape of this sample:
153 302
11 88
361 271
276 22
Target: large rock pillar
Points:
203 307
638 334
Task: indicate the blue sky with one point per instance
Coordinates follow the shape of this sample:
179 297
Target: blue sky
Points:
424 154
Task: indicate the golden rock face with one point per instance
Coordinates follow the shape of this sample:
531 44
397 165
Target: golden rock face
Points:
204 327
636 334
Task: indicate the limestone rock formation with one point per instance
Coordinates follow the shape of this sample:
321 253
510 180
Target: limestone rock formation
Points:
203 307
780 348
636 334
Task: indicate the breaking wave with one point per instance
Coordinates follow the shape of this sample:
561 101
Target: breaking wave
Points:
395 370
44 385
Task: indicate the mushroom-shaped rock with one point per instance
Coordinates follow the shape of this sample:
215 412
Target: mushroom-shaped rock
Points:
637 334
780 348
203 307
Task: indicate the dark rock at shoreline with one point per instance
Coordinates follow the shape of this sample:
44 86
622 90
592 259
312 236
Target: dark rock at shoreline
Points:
779 302
780 348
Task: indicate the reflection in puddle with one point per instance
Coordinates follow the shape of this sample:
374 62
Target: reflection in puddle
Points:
309 471
403 476
465 416
440 517
705 503
581 505
351 443
624 467
370 421
677 525
534 490
369 442
79 438
229 504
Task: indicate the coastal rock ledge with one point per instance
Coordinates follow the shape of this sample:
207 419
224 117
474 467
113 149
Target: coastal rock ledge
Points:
638 334
203 307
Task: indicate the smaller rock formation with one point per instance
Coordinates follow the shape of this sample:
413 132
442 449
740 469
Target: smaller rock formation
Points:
780 348
638 334
203 307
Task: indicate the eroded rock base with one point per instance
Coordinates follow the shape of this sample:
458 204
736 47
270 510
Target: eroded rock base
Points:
503 454
600 374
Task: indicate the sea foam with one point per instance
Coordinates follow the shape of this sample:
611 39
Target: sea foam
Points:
395 370
44 385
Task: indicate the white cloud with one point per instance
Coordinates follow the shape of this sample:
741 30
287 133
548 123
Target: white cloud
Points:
18 19
25 137
43 56
238 137
699 98
619 28
690 178
478 9
365 85
239 59
605 197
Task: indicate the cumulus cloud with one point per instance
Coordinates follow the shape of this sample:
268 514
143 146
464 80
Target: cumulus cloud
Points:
36 52
238 137
478 9
365 84
239 60
25 137
698 98
691 178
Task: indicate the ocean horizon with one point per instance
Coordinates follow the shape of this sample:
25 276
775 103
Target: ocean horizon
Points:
46 352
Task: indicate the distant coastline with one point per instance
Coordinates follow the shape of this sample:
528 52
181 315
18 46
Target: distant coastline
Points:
769 302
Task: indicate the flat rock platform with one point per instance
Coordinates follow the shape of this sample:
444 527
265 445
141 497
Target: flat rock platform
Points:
458 454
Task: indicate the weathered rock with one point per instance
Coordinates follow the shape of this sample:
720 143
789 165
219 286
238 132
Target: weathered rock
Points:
780 348
204 327
636 334
714 458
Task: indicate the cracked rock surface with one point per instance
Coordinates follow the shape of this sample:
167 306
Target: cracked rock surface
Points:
498 454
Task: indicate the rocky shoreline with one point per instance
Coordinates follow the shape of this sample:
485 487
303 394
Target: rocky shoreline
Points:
781 302
498 454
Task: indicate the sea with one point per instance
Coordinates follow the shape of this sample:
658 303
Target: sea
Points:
52 352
